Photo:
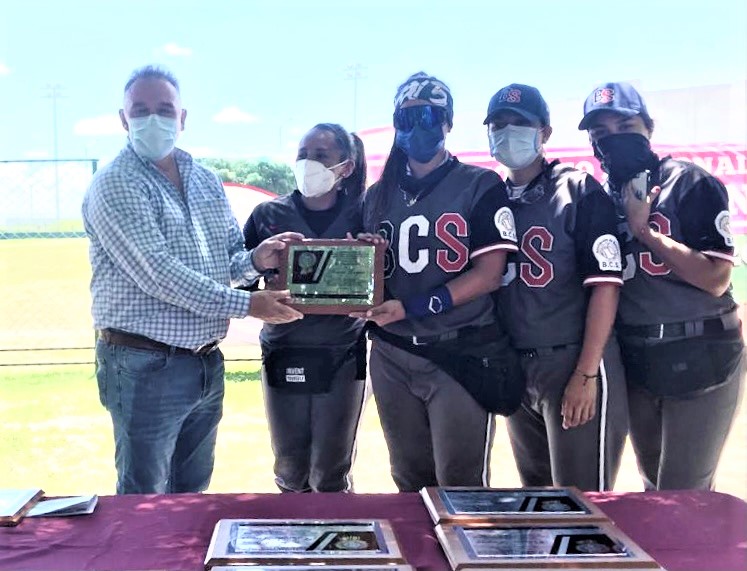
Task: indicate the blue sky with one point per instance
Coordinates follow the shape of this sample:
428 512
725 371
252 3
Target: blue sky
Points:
256 74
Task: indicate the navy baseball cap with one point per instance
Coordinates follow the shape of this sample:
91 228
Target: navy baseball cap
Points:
523 99
617 97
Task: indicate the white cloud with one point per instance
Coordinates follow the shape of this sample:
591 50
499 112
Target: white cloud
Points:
176 50
200 152
4 69
233 114
103 125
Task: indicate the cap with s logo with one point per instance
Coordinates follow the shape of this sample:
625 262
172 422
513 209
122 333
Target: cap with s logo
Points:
620 98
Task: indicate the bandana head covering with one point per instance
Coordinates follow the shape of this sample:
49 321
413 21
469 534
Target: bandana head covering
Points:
426 88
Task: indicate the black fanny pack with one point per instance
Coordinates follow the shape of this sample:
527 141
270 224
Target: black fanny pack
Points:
310 370
478 358
681 367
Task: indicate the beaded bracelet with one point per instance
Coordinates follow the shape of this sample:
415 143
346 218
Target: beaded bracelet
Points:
586 377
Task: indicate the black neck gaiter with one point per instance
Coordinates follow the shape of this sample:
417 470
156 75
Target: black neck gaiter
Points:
624 155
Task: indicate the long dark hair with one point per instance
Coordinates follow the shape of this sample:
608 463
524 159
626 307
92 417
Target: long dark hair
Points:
379 201
351 147
394 167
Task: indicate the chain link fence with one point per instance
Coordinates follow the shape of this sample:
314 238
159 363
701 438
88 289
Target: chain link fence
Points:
45 303
44 300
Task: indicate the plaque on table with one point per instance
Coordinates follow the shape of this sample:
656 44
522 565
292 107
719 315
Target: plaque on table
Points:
15 504
596 545
509 505
302 542
331 276
313 568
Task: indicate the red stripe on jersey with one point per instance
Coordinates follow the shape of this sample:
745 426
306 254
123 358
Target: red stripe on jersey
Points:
722 256
509 246
596 280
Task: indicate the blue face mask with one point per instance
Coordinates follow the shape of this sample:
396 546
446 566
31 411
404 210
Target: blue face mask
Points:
420 144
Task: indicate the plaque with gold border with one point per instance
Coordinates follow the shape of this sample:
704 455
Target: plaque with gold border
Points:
566 546
509 505
303 542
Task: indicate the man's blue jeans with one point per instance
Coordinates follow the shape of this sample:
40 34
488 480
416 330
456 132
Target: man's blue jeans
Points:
165 409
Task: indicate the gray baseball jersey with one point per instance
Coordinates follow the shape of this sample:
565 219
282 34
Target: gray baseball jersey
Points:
692 208
434 238
285 214
566 226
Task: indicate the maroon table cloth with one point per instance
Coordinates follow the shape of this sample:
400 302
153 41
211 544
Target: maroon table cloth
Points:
681 530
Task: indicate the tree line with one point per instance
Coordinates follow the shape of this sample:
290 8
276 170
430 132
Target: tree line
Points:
272 176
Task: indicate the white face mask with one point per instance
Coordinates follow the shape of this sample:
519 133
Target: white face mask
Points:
313 178
153 137
514 146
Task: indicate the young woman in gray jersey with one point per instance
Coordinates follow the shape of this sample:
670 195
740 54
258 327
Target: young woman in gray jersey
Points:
449 228
314 417
558 300
677 320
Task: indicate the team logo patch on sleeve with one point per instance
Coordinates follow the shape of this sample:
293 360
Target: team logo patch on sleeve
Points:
504 221
723 227
606 250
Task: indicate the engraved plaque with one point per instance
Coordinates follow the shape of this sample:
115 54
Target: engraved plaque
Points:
302 542
595 545
502 505
332 276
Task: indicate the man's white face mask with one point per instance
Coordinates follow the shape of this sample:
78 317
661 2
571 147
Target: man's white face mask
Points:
153 137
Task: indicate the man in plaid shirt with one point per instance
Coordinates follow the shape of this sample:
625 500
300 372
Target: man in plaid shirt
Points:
165 250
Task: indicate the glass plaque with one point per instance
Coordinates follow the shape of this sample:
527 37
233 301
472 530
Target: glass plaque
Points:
472 504
296 542
332 276
536 546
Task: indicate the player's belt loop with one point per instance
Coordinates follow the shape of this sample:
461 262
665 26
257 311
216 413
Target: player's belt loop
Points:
693 328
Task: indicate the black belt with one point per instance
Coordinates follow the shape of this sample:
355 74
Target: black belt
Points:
116 337
544 351
696 328
480 334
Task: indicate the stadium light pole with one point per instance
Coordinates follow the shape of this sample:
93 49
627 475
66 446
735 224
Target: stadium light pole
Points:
54 92
354 72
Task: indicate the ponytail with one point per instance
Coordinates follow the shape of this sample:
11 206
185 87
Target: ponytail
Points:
351 148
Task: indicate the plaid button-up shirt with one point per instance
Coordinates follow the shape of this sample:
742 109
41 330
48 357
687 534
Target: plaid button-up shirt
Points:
163 261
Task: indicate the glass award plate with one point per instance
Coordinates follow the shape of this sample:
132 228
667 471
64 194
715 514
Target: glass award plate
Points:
504 505
302 542
594 545
332 276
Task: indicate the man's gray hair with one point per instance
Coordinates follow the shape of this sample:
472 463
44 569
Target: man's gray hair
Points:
151 72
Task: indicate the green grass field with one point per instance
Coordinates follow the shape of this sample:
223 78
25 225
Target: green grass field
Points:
57 436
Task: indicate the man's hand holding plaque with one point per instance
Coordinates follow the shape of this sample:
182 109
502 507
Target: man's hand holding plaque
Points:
271 306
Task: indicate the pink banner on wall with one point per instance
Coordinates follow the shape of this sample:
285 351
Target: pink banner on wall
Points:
725 161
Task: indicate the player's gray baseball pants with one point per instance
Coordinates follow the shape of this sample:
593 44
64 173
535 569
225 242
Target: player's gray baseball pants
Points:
678 441
586 456
436 433
313 435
